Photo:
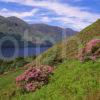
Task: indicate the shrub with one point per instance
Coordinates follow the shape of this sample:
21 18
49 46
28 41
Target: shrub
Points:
90 51
34 78
1 69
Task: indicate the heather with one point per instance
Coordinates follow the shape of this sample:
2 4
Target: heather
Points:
90 51
34 78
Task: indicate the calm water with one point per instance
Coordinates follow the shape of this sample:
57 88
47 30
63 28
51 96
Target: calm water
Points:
21 52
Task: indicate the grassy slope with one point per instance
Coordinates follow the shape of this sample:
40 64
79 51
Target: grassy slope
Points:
72 80
7 84
68 49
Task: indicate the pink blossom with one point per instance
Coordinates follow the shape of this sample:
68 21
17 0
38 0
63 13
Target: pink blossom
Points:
93 58
29 87
20 78
34 77
50 69
89 50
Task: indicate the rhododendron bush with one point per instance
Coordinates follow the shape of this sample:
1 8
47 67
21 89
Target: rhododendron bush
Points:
34 77
90 51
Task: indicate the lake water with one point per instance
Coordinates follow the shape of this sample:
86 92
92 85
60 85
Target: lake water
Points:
11 53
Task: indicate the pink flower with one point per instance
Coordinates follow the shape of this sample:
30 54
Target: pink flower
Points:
93 58
34 78
20 78
29 86
90 49
50 69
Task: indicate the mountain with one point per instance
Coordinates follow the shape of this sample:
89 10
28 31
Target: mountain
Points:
51 33
35 33
12 25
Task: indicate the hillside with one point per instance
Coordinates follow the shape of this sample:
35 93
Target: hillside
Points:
72 79
40 33
69 48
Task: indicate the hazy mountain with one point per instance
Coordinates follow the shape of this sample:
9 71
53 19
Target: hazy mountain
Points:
35 33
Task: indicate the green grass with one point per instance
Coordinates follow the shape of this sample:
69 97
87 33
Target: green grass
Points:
72 80
7 84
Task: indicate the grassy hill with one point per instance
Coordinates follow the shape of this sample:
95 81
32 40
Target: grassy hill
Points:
72 80
69 48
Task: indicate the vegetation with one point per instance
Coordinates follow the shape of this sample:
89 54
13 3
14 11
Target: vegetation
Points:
34 78
7 84
72 79
90 51
69 48
19 62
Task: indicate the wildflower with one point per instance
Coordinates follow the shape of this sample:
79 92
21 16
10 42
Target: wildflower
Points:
29 87
90 50
34 78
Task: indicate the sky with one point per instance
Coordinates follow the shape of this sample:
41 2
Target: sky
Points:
75 14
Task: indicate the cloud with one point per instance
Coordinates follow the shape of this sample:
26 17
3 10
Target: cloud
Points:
74 23
45 19
67 13
5 12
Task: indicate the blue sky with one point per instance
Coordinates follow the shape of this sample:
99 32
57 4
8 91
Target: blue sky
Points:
76 14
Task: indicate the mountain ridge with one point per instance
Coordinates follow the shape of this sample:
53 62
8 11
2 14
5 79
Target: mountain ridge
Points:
38 32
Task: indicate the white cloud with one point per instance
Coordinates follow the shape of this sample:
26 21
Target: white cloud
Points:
45 19
5 12
71 22
70 14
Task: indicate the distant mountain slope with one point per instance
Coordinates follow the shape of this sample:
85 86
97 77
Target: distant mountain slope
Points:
51 33
39 33
12 25
69 48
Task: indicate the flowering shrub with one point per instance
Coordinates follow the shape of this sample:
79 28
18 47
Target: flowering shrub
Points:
90 51
34 78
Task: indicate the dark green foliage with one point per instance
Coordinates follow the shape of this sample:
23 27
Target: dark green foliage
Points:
15 64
